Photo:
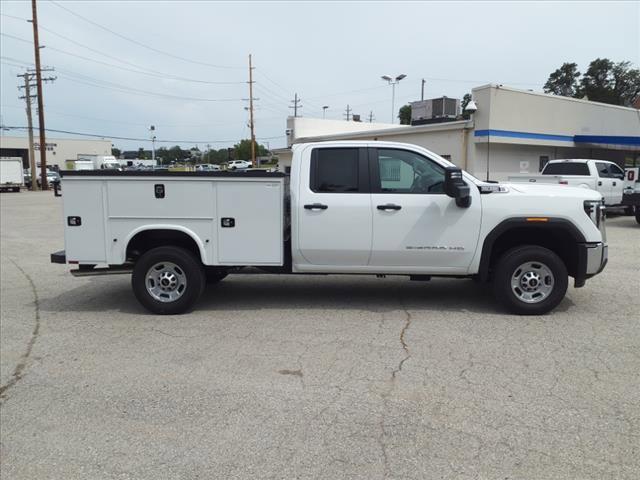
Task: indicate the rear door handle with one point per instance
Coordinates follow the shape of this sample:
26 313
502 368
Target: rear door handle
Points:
389 206
315 206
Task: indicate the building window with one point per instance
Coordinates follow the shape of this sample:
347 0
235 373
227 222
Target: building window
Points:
389 170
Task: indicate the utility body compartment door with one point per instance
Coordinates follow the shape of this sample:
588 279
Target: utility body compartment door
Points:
84 220
249 220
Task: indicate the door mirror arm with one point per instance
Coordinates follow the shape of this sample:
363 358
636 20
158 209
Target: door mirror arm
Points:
455 187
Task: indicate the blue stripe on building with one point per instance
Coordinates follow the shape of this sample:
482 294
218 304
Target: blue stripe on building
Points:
602 139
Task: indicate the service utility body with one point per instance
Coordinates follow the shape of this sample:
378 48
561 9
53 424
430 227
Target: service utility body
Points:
347 208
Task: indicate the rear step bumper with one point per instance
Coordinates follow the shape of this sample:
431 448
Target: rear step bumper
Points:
59 257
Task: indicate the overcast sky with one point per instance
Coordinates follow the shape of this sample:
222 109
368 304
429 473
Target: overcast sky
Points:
116 84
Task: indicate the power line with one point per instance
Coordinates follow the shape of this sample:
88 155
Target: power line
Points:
84 79
84 134
136 42
150 73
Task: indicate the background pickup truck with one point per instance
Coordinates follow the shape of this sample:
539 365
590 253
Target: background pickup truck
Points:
348 208
599 175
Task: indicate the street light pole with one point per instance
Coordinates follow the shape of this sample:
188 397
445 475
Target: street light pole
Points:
393 82
324 111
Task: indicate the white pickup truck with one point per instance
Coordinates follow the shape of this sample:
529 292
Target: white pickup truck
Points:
348 208
600 175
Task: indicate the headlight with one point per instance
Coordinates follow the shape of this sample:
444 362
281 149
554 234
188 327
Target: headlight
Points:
595 210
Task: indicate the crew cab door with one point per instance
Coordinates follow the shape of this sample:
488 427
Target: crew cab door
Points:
616 174
603 182
414 223
333 208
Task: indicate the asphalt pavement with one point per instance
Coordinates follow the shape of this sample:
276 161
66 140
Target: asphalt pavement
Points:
327 377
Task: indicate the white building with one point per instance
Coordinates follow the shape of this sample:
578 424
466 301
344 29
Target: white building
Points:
59 150
513 131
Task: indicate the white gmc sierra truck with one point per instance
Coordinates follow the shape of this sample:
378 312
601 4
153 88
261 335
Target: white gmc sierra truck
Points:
347 208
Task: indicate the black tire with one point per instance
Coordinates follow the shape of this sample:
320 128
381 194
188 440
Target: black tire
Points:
637 213
508 268
189 267
214 275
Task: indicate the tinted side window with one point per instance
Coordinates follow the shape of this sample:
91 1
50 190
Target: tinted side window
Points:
335 170
566 168
603 169
616 172
401 171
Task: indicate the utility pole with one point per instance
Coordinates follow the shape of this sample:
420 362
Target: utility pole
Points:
43 144
253 132
371 117
348 113
295 106
422 89
152 130
32 158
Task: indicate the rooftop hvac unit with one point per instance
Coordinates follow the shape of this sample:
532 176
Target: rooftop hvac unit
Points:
435 109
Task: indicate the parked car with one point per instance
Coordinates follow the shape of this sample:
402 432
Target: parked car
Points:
599 175
52 177
354 207
238 164
207 167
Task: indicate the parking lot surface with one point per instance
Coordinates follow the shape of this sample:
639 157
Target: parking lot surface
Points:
323 377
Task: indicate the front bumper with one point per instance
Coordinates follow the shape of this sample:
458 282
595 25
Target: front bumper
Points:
592 258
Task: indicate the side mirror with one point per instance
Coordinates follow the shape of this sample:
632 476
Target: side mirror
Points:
455 187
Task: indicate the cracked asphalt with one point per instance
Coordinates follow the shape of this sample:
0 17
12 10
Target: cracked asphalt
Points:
326 377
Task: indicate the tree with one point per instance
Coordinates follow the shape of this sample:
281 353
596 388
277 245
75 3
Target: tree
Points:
243 150
604 81
141 154
597 83
564 81
404 114
115 152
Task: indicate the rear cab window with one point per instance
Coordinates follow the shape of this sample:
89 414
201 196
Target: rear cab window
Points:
339 170
566 168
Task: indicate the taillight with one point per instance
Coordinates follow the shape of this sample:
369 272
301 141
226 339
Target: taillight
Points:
564 182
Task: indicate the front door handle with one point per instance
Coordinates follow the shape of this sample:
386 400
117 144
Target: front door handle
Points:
614 184
315 206
599 184
389 206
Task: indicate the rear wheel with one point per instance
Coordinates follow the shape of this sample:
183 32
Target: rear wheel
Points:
530 280
168 280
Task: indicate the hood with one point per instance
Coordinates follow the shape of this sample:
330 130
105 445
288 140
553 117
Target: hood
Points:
553 190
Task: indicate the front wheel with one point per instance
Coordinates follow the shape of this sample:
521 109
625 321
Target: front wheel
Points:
168 280
530 280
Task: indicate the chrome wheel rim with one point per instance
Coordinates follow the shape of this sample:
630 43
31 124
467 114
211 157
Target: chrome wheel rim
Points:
532 282
166 282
